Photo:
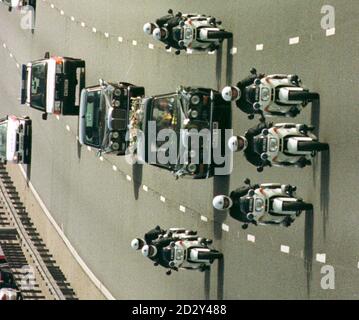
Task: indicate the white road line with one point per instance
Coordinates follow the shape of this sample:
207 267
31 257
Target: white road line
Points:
294 40
107 35
58 117
225 227
284 249
62 12
182 208
330 32
169 50
89 148
83 24
120 39
68 128
72 18
251 238
68 244
358 265
134 42
145 188
94 30
189 51
163 199
233 51
203 218
101 159
114 168
321 257
128 178
151 46
211 52
259 47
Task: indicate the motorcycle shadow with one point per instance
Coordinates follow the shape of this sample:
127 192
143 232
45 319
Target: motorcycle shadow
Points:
308 247
220 186
315 116
79 150
220 281
325 189
137 170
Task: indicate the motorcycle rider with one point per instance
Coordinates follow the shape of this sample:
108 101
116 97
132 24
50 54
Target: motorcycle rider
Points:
232 203
246 144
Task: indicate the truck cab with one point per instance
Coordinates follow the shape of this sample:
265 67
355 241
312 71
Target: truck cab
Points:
15 139
104 115
53 85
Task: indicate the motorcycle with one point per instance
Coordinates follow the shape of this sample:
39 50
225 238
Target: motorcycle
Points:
200 33
278 95
190 255
287 144
271 204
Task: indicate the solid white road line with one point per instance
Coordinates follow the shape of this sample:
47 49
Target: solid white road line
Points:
204 219
259 47
251 238
73 251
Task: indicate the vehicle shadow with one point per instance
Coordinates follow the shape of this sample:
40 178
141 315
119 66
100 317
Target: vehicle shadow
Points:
325 189
220 186
229 67
207 284
315 121
79 150
28 173
220 279
137 170
308 247
219 56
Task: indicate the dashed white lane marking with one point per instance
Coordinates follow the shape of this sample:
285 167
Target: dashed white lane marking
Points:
358 265
89 149
58 117
211 52
101 159
251 238
259 47
83 24
107 35
203 218
52 6
169 50
294 40
67 127
225 227
4 45
11 55
120 39
94 30
114 168
189 51
134 42
144 187
330 32
284 249
128 178
182 208
163 199
233 51
62 12
151 46
72 18
321 257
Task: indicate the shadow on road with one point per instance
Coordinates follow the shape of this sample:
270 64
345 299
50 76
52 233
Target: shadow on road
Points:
137 178
219 55
308 246
79 149
220 186
229 67
325 189
207 284
220 279
315 116
28 173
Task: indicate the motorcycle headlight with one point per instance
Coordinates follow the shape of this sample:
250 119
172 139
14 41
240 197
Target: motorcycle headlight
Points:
259 205
265 94
117 92
116 103
195 99
273 144
188 33
194 114
115 135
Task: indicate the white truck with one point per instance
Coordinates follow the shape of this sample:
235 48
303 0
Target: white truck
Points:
15 139
53 85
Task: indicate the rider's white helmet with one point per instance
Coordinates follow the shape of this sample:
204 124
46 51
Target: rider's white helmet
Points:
160 33
222 202
149 251
231 93
148 28
237 143
137 243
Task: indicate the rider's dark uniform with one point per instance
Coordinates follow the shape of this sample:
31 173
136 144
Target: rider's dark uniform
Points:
161 257
169 22
242 102
153 234
252 156
235 211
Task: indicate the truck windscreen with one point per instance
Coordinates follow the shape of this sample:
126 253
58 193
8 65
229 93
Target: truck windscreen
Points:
38 85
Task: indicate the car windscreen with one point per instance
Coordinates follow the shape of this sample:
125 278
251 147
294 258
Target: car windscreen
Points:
3 140
38 85
94 119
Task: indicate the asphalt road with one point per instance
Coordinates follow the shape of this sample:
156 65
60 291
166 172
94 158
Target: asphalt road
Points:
100 211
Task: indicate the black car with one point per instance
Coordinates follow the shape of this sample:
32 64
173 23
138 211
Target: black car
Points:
191 114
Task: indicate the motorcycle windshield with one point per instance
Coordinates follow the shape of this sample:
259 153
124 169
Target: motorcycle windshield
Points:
252 94
177 34
260 145
246 205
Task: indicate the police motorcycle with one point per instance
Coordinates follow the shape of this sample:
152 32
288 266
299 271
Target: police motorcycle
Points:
278 95
271 204
190 254
287 144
